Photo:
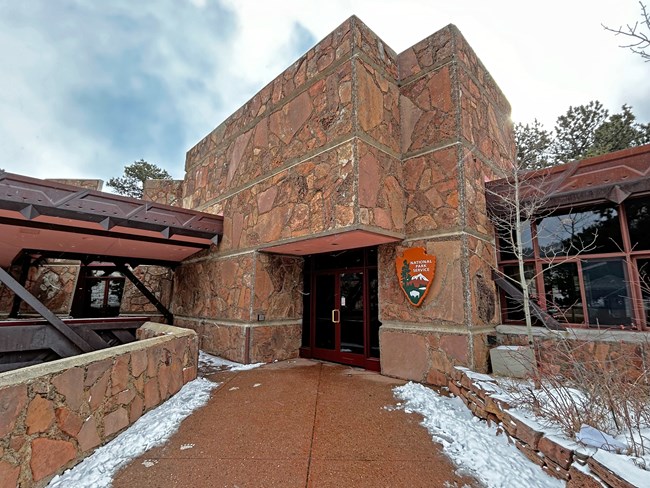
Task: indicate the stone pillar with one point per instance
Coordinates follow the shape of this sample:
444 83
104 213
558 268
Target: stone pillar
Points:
455 135
168 192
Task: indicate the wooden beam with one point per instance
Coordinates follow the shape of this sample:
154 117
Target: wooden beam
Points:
122 268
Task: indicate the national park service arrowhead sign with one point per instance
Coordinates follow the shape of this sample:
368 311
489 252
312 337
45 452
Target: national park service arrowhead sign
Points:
415 272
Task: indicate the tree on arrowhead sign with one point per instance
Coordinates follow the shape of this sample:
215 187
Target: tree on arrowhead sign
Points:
415 272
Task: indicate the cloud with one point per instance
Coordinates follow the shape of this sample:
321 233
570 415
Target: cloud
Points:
87 87
90 87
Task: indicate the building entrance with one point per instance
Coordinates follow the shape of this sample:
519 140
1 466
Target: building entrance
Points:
343 308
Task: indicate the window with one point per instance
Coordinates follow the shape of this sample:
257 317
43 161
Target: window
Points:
563 299
638 221
584 260
591 231
99 292
506 241
513 309
606 292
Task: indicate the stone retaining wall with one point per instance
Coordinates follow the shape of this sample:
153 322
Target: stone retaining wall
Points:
54 414
554 455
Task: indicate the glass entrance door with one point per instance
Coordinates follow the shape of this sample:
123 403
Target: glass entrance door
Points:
343 316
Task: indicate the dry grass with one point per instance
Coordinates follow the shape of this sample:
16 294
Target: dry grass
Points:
573 386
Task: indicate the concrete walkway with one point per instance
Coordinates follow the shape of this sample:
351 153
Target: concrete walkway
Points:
302 424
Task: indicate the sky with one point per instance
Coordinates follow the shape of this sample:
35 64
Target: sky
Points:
87 87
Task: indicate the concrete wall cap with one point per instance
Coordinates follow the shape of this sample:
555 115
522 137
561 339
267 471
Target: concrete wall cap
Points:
597 335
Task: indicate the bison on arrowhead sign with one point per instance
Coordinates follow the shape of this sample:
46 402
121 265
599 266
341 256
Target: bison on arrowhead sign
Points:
415 272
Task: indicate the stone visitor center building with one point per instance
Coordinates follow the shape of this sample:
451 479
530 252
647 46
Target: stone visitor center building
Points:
355 226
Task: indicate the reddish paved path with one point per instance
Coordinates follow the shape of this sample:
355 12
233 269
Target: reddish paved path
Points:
306 424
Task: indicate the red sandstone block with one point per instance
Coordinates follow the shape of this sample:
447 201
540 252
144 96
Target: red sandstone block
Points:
153 358
71 385
579 479
531 454
135 409
558 454
97 393
12 401
125 396
88 437
164 379
138 362
478 411
8 475
40 415
115 421
49 456
68 421
454 388
474 398
606 475
176 376
509 425
528 434
95 370
555 470
151 394
456 374
492 407
120 374
189 374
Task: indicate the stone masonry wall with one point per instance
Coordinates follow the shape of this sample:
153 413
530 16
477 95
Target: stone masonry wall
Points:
351 137
168 192
53 283
315 152
557 457
455 135
54 414
158 280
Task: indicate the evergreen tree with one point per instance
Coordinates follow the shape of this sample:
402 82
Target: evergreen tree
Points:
583 131
533 145
135 175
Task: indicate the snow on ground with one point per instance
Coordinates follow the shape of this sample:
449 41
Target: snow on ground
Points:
152 429
213 363
470 443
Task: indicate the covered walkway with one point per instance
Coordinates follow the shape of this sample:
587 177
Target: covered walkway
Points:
297 423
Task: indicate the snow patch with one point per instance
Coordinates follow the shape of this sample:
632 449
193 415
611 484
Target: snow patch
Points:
152 429
184 447
208 361
470 442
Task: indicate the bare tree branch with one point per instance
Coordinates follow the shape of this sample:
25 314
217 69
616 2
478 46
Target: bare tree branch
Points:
638 34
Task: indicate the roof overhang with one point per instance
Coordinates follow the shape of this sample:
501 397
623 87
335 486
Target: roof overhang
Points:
49 216
340 241
611 177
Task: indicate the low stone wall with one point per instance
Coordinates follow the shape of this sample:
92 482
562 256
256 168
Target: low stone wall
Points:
54 414
623 349
554 455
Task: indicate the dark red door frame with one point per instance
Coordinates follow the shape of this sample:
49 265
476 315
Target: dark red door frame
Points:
336 355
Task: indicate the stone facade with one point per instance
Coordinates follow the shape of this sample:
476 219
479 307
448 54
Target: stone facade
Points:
55 414
353 138
52 283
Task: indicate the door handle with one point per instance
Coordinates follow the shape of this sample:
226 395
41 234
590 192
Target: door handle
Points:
336 316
